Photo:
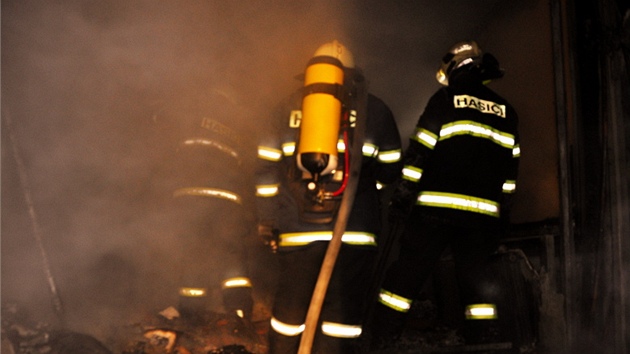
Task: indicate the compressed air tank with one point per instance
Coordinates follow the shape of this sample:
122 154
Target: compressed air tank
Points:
321 116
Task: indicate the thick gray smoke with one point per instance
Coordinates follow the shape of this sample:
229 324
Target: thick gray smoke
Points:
82 82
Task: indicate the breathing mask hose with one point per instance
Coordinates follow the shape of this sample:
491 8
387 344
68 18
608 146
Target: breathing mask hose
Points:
346 172
346 159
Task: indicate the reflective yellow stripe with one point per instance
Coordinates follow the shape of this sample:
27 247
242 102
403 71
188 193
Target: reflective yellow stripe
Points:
390 156
267 190
288 149
208 192
460 202
369 150
339 330
285 328
481 312
425 137
516 152
270 154
341 146
237 282
411 173
212 143
393 301
509 186
468 127
304 238
192 292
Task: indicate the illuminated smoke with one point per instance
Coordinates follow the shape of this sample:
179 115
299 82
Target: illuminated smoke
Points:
83 81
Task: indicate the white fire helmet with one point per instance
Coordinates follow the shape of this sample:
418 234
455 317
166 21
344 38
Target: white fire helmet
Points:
338 51
460 54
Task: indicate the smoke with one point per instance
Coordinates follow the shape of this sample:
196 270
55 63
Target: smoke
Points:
83 81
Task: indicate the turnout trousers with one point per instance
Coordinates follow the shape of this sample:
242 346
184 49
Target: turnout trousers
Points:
344 306
211 254
422 244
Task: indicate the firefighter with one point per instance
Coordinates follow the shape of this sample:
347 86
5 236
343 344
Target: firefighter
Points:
458 178
303 165
211 204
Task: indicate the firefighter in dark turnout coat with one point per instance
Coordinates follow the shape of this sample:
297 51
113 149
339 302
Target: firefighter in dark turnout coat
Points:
459 172
305 226
211 207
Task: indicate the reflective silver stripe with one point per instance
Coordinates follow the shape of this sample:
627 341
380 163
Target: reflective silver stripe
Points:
237 282
304 238
215 144
379 185
285 328
425 137
411 173
481 312
288 149
468 127
208 192
393 301
516 152
509 186
192 292
390 156
460 202
369 150
339 330
270 154
267 190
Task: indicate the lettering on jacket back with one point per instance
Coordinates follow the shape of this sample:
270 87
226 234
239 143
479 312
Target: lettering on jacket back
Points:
483 106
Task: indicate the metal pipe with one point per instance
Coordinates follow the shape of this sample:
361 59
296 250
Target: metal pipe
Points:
562 84
37 234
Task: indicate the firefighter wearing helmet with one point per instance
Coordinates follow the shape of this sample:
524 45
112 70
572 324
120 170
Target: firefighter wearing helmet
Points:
210 207
458 178
303 172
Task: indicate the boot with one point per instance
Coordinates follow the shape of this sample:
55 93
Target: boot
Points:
386 328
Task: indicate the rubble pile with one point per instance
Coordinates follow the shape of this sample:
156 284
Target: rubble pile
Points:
166 332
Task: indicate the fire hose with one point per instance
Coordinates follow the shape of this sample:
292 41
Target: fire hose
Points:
347 200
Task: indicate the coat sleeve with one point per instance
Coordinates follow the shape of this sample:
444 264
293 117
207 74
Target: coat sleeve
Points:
510 183
268 166
388 145
421 145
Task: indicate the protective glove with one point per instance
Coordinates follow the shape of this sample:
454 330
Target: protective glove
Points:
399 210
506 209
401 203
268 234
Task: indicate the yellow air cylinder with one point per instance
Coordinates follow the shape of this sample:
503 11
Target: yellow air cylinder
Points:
321 116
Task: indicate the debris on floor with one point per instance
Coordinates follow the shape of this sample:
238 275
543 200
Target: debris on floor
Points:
203 332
